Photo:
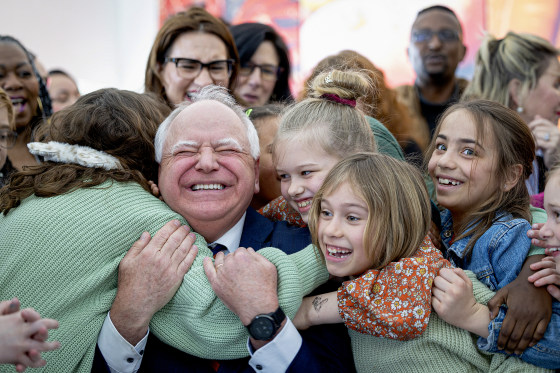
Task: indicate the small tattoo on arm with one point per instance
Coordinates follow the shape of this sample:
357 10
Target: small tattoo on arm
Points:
318 303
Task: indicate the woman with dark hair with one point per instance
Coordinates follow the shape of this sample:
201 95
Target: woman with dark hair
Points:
192 49
260 46
27 90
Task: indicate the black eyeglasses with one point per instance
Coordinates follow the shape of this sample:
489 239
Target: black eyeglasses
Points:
268 72
188 68
424 35
7 138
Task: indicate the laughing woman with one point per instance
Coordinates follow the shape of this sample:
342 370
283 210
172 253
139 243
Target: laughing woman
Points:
192 49
28 93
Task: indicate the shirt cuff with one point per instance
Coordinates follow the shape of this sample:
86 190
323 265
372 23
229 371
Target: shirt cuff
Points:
277 355
120 356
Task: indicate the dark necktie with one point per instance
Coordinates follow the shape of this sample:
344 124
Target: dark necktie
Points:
216 248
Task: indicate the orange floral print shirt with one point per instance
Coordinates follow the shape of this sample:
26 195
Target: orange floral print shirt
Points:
279 210
394 302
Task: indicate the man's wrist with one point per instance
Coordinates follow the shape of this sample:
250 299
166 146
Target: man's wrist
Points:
132 325
256 343
253 311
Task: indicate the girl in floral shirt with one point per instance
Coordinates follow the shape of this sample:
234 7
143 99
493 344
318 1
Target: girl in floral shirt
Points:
370 221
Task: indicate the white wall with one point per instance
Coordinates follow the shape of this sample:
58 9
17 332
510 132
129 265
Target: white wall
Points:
102 43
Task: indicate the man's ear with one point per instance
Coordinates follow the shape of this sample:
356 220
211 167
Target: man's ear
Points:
257 174
514 89
512 177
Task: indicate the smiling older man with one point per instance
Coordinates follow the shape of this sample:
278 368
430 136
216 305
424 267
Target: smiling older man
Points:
208 152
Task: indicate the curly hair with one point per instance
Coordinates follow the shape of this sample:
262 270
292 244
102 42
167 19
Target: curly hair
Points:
120 123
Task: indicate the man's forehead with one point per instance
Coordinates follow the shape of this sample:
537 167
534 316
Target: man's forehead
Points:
205 113
444 20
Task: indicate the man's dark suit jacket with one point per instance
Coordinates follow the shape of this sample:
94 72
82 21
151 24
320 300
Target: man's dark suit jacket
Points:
325 348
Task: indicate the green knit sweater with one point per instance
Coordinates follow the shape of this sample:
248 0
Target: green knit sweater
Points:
60 255
441 348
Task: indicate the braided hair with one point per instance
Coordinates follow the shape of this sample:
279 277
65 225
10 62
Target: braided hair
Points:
45 107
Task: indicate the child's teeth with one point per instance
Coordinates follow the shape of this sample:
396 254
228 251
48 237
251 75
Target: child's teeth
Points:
304 203
447 181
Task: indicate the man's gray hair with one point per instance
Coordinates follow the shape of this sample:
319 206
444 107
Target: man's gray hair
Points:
209 93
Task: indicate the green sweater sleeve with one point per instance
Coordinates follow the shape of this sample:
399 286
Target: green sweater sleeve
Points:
197 322
539 216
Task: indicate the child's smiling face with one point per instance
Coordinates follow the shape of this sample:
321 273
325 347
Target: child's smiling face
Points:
462 166
342 222
302 168
551 229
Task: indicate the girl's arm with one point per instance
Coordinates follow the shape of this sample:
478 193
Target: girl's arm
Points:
317 310
454 302
394 302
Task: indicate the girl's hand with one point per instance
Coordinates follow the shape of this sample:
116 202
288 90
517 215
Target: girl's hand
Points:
548 274
23 337
454 302
547 138
534 234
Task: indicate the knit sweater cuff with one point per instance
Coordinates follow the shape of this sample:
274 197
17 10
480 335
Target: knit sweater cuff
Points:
481 292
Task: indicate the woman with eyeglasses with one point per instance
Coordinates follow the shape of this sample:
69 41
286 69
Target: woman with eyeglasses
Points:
27 91
192 49
265 65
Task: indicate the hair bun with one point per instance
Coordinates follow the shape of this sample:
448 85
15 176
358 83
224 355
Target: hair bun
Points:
348 85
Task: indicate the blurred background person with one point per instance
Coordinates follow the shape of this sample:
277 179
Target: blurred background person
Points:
436 48
7 136
522 71
28 93
266 119
265 65
62 88
192 49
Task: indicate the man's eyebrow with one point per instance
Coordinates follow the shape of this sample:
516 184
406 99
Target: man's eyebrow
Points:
228 141
184 143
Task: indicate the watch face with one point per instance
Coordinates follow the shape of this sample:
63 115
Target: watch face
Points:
262 328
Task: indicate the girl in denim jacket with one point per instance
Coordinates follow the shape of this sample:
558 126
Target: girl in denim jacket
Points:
481 154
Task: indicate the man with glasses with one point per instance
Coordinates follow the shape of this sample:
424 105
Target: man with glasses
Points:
435 50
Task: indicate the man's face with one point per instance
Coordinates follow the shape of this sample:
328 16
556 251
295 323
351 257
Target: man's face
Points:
436 47
207 173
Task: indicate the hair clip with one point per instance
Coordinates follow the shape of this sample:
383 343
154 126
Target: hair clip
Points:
328 78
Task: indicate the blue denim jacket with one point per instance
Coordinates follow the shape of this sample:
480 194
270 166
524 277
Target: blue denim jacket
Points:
496 259
497 256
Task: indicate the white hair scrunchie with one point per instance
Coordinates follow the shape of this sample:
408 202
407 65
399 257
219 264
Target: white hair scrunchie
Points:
65 153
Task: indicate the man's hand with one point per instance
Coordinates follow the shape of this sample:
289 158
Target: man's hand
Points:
246 282
149 275
525 322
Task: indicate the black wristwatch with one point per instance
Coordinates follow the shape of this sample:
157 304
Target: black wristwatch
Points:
264 327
